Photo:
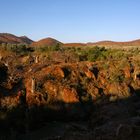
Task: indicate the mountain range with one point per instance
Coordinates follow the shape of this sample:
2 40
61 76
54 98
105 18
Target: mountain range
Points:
13 39
10 38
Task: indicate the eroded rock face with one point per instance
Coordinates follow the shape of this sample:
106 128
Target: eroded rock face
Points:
78 83
69 95
119 90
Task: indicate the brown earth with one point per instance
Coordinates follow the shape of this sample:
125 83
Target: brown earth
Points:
46 42
74 44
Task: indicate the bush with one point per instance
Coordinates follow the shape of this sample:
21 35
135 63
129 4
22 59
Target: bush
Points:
21 49
96 53
45 48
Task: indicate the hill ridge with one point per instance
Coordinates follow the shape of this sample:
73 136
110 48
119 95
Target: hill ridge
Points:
49 41
13 39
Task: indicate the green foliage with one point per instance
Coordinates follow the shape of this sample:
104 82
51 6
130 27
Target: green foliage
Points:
100 53
45 48
3 46
20 49
91 54
95 53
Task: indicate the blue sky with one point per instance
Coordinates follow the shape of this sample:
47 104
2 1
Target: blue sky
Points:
72 20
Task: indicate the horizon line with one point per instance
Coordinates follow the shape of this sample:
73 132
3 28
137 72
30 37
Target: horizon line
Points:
82 42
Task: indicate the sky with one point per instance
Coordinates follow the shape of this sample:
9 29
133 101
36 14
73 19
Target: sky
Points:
72 20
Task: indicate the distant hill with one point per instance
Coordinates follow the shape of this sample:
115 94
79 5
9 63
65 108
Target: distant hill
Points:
113 43
74 44
26 39
46 42
10 38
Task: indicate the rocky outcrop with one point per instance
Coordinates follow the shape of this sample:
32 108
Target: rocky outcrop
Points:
108 97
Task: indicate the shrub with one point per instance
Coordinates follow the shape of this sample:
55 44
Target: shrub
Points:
46 48
21 49
96 53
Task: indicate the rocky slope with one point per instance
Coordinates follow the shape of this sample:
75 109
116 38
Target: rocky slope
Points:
85 99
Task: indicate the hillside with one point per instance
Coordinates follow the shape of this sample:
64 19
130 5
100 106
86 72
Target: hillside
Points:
12 39
46 42
113 43
26 39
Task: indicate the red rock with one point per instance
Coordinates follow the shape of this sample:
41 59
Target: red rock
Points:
69 95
